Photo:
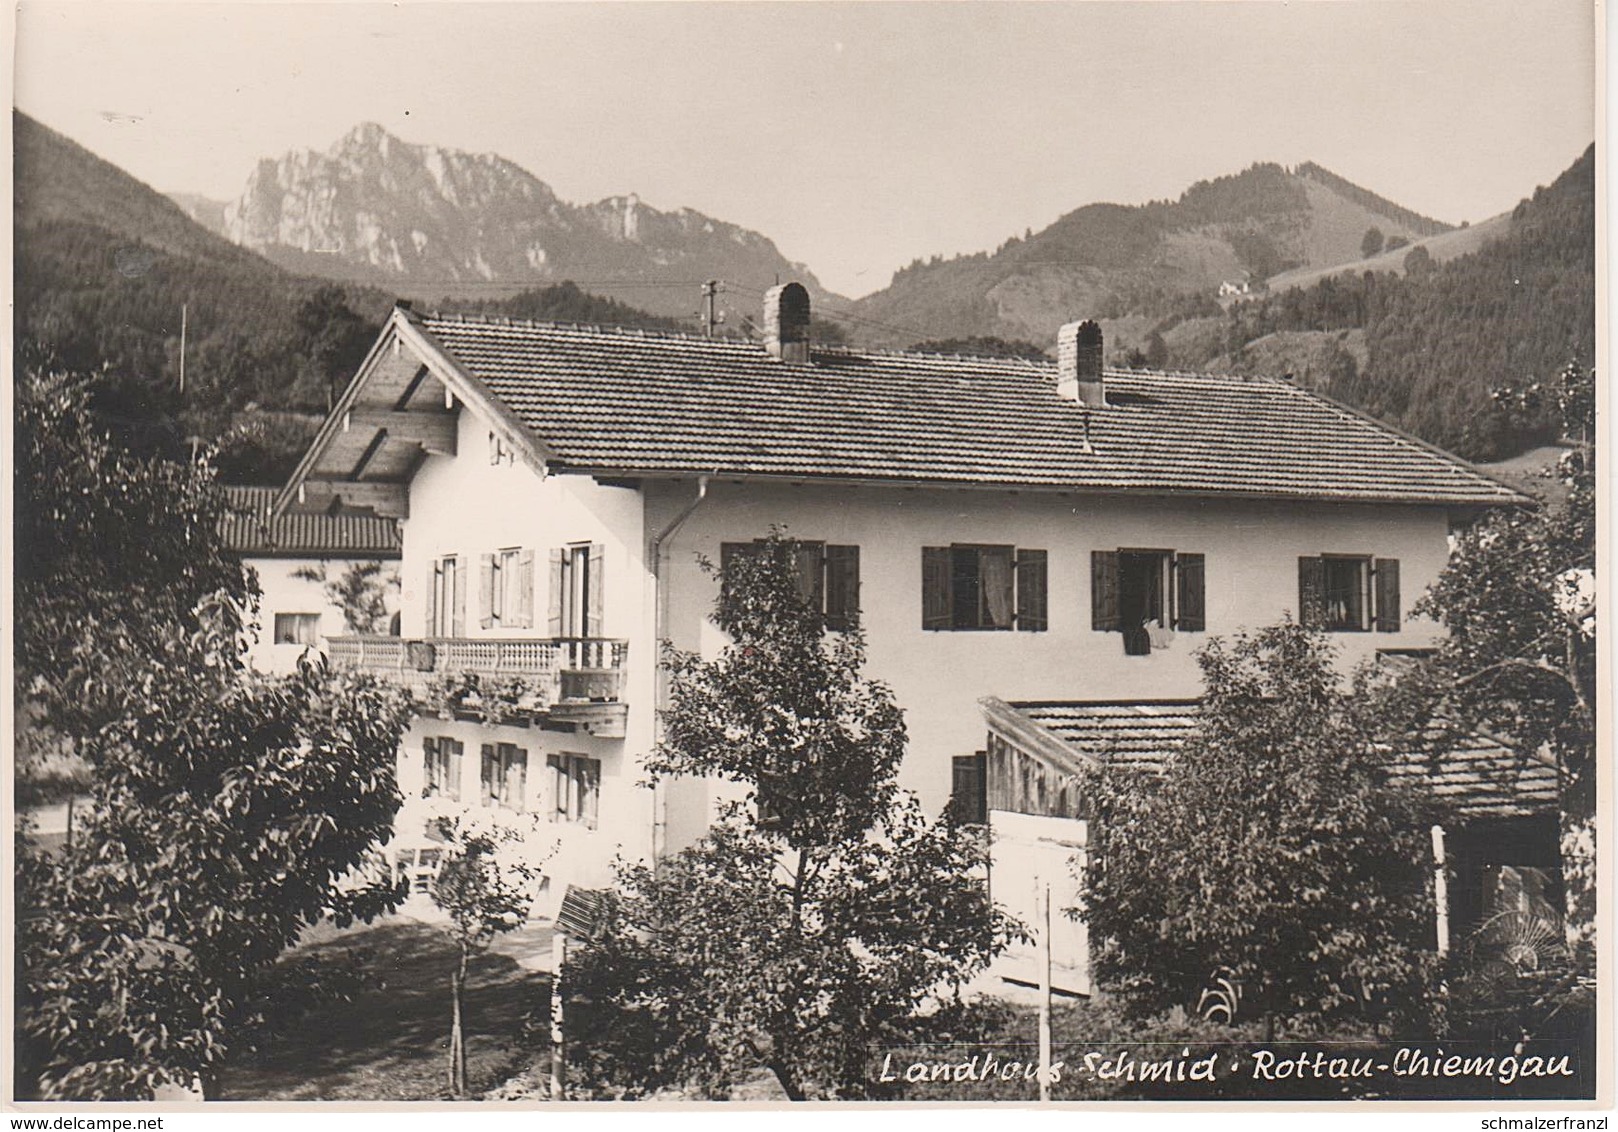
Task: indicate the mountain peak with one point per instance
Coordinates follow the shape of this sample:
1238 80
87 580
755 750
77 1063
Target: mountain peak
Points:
366 135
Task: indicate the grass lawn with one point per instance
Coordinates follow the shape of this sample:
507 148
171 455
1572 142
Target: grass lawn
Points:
391 1042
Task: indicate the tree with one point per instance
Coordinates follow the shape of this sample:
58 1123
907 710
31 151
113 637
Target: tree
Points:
816 917
1372 243
360 591
483 895
1270 845
1518 599
228 810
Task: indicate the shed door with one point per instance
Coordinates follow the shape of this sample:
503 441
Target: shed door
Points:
1027 852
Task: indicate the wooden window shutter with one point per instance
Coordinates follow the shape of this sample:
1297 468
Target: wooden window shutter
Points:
1190 594
486 591
1388 615
558 784
1032 604
842 587
554 614
1312 593
595 585
486 777
935 598
525 590
429 765
453 749
458 629
432 600
1104 615
810 566
517 779
592 793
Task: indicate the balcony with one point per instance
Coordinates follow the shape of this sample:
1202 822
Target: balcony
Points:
572 681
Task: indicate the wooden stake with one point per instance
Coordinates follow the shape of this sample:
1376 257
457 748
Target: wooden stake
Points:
1043 914
1441 890
558 1044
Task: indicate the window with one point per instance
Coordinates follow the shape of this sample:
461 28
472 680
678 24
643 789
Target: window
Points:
441 769
576 591
1142 593
828 577
297 628
575 788
1345 593
506 589
969 797
505 776
446 598
983 587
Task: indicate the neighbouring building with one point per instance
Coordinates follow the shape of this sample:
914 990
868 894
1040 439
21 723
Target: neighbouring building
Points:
291 554
1029 531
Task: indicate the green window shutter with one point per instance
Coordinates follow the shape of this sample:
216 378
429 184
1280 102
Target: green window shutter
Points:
595 591
487 776
1312 593
935 597
1033 614
554 614
1190 595
525 590
842 587
1388 617
486 591
429 766
458 628
432 601
454 750
1104 616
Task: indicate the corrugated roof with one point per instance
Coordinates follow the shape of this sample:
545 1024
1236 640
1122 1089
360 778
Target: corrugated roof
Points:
1479 778
621 401
249 530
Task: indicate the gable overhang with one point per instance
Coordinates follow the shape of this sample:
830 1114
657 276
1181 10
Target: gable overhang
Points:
384 425
1034 741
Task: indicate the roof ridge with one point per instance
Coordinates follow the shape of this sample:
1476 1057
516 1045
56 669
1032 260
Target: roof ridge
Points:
559 324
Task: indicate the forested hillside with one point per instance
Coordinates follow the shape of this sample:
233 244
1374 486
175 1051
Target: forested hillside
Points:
1425 349
104 266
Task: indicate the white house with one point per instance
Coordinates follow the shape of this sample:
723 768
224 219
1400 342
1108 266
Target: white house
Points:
1003 528
286 552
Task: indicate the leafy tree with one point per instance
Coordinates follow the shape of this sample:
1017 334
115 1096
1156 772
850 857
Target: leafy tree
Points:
1372 243
227 810
331 340
817 917
1518 598
484 895
1419 263
360 591
1270 845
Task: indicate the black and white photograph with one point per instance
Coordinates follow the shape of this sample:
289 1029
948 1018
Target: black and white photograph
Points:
733 555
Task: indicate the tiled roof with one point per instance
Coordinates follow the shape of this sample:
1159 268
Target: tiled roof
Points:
628 402
1479 778
249 530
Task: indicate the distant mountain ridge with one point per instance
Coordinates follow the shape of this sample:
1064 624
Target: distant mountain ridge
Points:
436 221
1109 260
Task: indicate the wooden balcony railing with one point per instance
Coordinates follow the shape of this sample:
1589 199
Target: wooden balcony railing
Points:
570 677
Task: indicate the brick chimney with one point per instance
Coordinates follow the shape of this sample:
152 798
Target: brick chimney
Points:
1078 364
786 322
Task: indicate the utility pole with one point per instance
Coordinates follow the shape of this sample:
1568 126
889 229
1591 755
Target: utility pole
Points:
1042 914
182 346
710 316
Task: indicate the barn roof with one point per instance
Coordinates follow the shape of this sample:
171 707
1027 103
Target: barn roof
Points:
1479 777
250 530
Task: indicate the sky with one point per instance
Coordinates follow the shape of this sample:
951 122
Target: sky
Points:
858 136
